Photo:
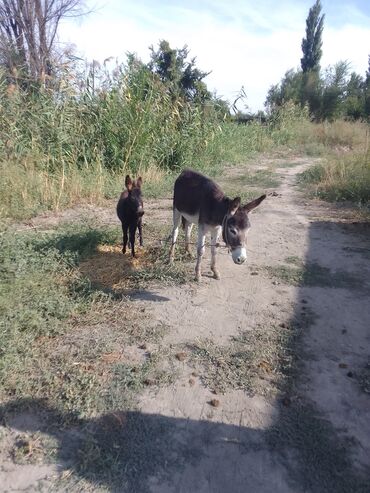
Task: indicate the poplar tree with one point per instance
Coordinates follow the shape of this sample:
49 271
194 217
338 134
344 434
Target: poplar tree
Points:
312 43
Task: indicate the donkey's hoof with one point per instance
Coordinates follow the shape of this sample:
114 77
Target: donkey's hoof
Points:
216 275
198 277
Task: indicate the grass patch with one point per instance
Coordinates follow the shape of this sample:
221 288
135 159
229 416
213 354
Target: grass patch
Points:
313 274
64 338
255 360
341 178
261 179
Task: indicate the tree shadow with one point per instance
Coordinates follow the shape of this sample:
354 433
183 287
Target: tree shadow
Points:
132 451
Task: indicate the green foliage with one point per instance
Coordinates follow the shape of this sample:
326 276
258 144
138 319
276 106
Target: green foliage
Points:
312 43
180 76
334 94
344 178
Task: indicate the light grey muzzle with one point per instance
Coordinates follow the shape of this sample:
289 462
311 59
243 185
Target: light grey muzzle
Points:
239 255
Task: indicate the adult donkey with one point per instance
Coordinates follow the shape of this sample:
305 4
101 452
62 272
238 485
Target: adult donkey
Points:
198 199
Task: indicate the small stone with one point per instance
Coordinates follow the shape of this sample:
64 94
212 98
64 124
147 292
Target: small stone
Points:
181 356
304 301
350 374
195 374
275 283
191 382
283 325
343 365
143 346
214 403
254 273
344 331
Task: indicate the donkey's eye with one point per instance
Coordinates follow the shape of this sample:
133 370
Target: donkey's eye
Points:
233 231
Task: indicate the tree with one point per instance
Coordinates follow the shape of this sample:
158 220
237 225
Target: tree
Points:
335 86
289 89
367 91
28 30
312 43
182 77
354 100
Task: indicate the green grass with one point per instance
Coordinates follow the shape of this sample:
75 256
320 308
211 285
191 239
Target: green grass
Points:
61 336
341 178
312 274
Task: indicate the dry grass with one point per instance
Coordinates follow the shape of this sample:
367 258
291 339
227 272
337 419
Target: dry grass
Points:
255 361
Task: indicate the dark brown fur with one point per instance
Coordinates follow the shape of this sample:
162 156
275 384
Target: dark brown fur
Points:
199 199
130 212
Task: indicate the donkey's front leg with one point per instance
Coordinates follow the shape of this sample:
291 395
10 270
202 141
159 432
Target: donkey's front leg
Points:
200 250
215 234
132 230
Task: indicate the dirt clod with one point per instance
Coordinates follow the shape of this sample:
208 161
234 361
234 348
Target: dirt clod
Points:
181 356
214 402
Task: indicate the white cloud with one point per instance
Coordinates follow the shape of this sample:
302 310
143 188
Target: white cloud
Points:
242 45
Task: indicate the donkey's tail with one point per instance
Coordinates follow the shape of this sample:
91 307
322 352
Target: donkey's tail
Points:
183 222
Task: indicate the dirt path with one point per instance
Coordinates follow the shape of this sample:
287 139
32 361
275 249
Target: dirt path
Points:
271 364
234 454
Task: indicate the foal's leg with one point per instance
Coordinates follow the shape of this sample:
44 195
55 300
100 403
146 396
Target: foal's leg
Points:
188 228
140 227
200 250
125 237
175 232
215 234
132 238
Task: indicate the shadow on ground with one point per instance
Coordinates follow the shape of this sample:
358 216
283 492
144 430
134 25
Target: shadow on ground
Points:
301 451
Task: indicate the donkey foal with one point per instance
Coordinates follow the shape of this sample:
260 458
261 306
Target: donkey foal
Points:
130 212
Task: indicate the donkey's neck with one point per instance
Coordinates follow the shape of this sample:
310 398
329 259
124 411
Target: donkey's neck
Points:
220 208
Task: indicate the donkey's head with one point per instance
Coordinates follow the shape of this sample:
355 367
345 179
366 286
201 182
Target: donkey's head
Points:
134 191
235 227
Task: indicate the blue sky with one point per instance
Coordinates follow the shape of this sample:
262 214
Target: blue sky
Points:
241 42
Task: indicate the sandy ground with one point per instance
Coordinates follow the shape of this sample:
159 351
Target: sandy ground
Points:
226 448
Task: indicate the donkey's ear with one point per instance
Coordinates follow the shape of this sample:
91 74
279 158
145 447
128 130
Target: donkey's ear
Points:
139 182
233 205
251 205
128 182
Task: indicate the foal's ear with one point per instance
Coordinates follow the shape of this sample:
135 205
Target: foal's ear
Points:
251 205
128 182
139 182
233 205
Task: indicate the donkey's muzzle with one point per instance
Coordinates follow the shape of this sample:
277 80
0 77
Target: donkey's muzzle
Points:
239 255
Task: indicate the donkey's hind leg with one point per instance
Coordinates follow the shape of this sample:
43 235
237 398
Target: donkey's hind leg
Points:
175 232
188 228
